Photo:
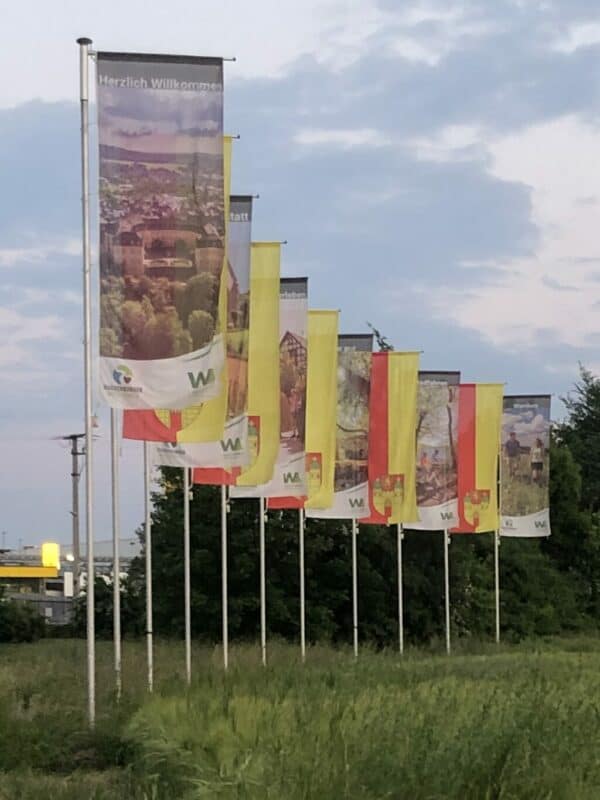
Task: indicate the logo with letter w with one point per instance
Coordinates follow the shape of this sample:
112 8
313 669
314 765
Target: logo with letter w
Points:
198 379
356 502
231 445
292 477
540 524
447 515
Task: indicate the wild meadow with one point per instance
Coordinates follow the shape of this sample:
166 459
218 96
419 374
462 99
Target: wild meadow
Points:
519 721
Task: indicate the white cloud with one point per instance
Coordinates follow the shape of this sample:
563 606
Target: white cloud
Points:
20 338
346 138
449 144
266 36
40 252
550 295
582 34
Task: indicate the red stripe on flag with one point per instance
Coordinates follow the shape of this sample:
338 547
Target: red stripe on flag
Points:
378 438
147 427
215 476
467 408
274 503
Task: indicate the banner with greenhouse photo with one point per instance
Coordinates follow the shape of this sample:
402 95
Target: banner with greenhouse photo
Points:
351 487
162 229
525 462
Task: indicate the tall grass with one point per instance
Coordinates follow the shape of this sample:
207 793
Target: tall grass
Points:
520 722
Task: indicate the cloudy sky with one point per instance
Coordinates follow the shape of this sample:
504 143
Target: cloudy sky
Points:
434 166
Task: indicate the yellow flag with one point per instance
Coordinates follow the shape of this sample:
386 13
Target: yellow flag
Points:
206 422
321 407
403 385
263 364
488 421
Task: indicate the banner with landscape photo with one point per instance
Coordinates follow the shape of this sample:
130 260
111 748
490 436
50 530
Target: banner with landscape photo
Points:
162 229
351 488
524 466
437 436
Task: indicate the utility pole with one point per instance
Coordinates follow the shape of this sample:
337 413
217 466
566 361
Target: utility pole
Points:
75 473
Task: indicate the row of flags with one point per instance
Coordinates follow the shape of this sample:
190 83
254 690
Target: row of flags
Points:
218 361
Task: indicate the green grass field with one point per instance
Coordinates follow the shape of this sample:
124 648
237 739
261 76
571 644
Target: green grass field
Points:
514 722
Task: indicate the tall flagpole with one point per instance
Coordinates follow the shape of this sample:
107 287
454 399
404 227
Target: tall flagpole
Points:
447 588
84 52
302 585
116 532
354 588
187 575
497 581
148 532
400 531
263 583
224 576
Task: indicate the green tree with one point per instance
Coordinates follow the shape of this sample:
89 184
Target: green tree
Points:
202 327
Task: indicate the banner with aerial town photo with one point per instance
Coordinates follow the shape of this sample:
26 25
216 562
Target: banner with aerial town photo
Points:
524 466
221 460
351 487
161 195
289 474
437 435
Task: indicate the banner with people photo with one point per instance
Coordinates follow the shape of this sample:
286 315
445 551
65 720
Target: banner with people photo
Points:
479 426
162 205
289 478
525 466
351 487
392 430
437 451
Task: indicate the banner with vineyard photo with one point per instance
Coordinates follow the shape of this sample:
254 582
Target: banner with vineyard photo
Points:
162 229
289 474
524 465
437 451
351 488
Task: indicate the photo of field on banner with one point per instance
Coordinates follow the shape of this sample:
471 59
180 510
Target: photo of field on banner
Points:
162 229
525 466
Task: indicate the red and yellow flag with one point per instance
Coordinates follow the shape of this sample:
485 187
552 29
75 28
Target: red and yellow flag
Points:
392 432
479 421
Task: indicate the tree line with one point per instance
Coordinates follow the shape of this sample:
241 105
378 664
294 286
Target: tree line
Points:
548 586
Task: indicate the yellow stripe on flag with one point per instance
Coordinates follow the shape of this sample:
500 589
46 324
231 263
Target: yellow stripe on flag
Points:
403 386
263 361
321 407
206 422
488 419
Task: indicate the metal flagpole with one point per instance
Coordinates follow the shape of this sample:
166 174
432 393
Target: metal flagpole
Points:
84 45
447 587
400 531
148 532
302 585
263 583
187 575
224 576
116 531
354 588
497 581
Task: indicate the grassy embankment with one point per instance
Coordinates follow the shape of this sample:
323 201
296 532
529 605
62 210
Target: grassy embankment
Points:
518 722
